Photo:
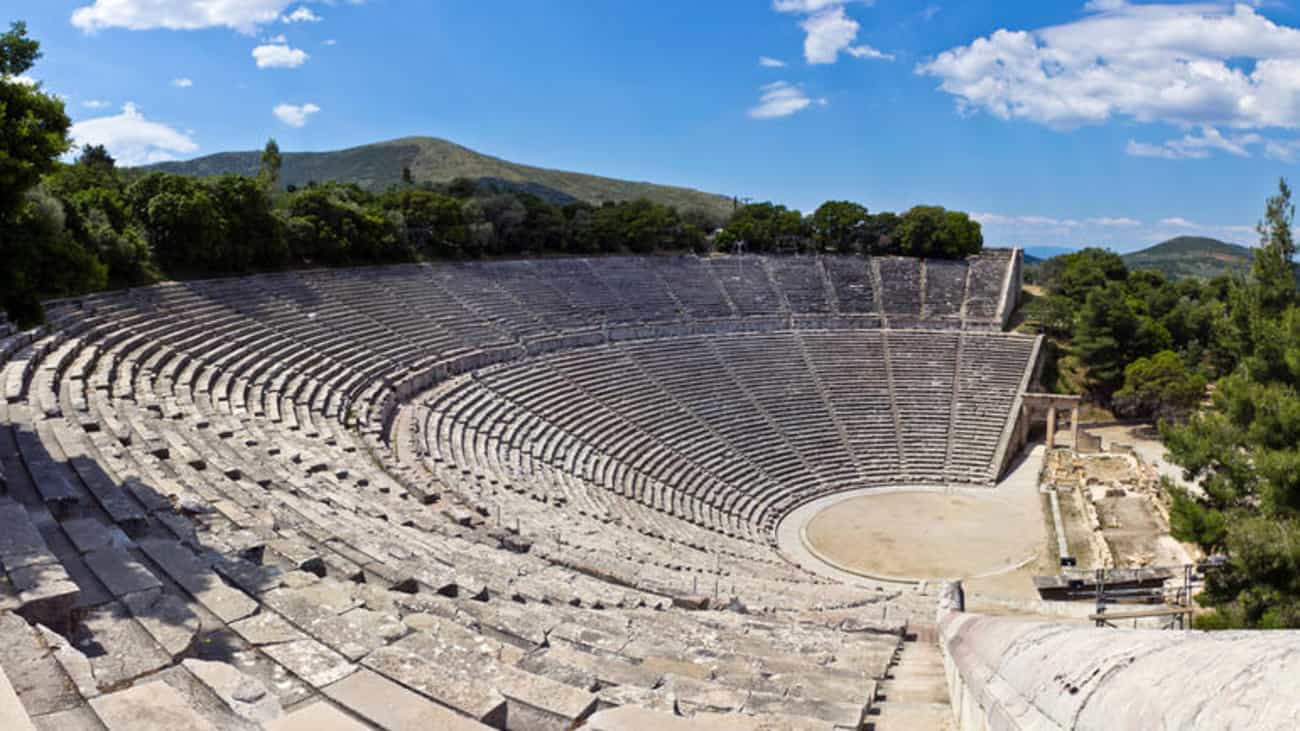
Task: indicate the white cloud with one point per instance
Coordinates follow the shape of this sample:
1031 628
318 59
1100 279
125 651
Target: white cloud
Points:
95 104
133 139
1197 146
771 63
182 83
865 51
804 6
330 42
241 15
828 32
1283 151
781 99
280 38
279 56
1118 232
302 15
1191 65
295 115
21 79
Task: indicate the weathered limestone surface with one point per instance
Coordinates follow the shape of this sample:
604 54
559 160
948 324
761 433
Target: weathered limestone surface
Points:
1008 673
12 715
153 705
390 706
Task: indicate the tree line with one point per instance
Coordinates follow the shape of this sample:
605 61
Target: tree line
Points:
1149 347
845 227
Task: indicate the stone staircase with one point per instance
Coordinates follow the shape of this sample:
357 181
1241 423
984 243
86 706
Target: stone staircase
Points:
914 694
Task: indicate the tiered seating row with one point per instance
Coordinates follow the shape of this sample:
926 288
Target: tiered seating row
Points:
731 431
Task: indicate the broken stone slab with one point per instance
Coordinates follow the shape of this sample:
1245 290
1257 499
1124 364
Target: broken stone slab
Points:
166 618
88 534
118 648
267 628
196 578
20 543
35 676
694 695
387 627
248 576
606 669
431 678
533 701
153 705
299 555
391 706
244 695
46 594
317 717
121 572
13 717
846 715
313 662
73 662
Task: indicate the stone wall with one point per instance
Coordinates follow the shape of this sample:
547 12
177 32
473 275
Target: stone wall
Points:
1007 674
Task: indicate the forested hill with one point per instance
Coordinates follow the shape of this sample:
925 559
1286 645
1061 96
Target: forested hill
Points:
1194 257
377 166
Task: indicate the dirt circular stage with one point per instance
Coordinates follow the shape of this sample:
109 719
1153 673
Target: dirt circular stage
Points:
923 535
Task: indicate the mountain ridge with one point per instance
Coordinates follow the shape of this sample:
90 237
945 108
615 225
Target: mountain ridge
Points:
378 165
1198 257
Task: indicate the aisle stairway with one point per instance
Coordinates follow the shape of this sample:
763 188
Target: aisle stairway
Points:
914 694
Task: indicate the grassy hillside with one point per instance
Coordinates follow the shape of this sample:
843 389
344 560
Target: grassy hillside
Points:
377 166
1192 256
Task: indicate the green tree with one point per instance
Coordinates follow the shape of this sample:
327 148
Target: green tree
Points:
879 233
1160 387
39 256
1273 273
934 231
269 172
1245 451
1077 274
1109 334
762 228
839 226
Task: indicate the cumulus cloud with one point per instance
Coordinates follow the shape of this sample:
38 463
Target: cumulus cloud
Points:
279 56
828 30
241 15
771 63
302 15
1204 65
183 82
95 104
21 79
827 34
781 99
132 138
295 115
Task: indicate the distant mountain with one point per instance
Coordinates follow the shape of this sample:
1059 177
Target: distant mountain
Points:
377 166
1195 257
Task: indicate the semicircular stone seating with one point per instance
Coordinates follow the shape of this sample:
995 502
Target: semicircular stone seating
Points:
500 494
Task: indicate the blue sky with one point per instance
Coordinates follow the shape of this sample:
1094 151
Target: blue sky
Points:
1056 123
